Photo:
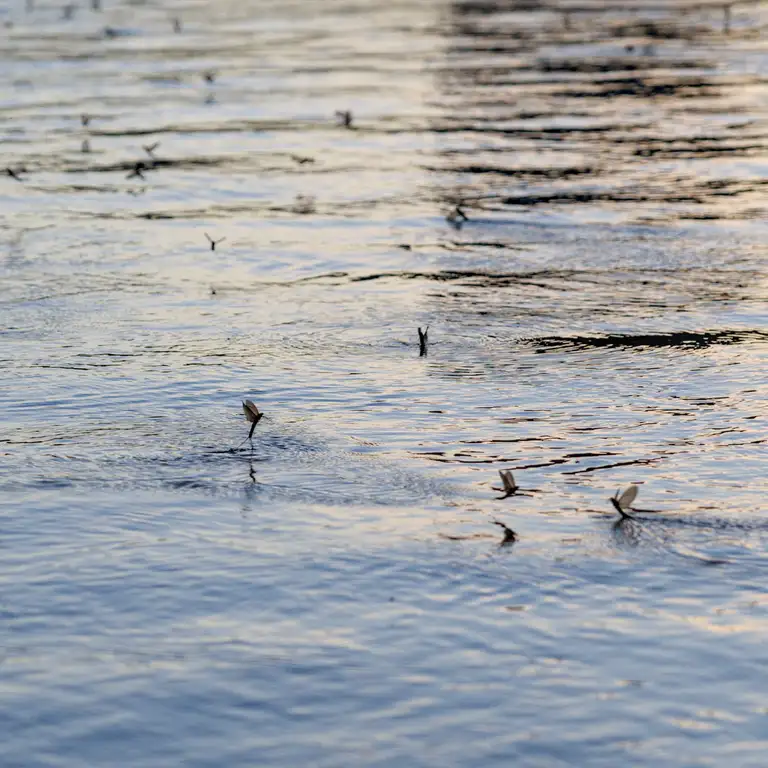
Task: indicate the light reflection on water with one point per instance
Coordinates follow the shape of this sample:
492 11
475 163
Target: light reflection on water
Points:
338 594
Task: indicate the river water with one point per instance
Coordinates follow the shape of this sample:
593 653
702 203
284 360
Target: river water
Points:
338 593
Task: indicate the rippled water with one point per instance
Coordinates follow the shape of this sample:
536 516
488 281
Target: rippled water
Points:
337 594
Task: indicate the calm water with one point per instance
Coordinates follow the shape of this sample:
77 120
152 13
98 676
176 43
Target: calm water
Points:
337 595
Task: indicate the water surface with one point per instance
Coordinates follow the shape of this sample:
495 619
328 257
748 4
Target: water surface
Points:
337 593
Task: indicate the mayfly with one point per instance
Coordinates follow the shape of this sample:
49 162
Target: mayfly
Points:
423 341
137 172
304 204
345 117
508 480
622 502
254 415
457 217
214 243
150 149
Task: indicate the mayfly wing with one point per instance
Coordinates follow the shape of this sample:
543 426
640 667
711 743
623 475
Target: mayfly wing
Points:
507 480
626 498
252 413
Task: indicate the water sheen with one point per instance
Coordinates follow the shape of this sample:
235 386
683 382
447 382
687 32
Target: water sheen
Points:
337 594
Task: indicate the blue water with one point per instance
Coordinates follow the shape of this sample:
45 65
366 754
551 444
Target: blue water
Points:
337 593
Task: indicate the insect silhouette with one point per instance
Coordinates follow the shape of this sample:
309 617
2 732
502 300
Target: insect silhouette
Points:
209 76
299 160
423 341
177 25
137 172
510 487
304 204
150 149
254 415
214 243
345 117
457 217
84 120
623 502
85 147
13 174
510 537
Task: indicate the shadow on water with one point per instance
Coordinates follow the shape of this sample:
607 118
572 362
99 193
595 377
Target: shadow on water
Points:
679 339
